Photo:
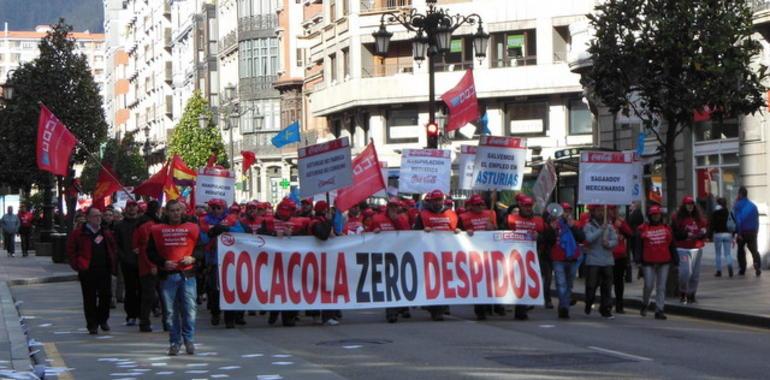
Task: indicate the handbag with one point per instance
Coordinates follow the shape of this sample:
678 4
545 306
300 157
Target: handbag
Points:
731 225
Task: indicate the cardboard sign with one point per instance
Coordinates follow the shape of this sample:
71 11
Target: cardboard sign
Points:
465 163
214 183
500 163
324 167
608 178
389 269
425 170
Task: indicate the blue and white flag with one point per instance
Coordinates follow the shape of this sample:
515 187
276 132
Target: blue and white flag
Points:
287 135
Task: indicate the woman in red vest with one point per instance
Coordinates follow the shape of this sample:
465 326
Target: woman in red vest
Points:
689 229
656 240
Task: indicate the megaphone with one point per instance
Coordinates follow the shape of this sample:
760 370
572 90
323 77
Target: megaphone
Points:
554 209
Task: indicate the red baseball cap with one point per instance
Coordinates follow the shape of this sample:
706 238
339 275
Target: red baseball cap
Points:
566 206
252 204
688 200
654 210
321 206
217 202
434 195
475 199
526 201
594 206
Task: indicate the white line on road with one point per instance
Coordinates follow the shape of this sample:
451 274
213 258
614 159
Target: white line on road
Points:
620 354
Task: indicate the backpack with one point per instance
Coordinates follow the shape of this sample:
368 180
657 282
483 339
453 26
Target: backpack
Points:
731 225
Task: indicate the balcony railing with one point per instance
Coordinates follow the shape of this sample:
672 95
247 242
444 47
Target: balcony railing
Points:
228 42
760 5
453 66
529 60
256 23
387 70
383 5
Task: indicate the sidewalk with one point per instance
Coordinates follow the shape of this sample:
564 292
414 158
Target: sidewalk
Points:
741 299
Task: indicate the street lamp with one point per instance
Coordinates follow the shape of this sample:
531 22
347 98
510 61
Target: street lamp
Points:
232 114
433 36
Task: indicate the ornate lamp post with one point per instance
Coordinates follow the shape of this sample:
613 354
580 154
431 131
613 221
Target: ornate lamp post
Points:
232 114
433 36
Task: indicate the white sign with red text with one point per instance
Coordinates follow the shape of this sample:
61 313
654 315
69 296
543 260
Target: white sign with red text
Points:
608 178
500 163
389 269
214 183
324 167
425 170
465 164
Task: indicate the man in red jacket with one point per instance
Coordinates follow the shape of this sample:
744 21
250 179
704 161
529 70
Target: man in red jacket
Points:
171 248
25 229
92 253
148 272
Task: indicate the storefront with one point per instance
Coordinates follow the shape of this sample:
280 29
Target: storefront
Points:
716 162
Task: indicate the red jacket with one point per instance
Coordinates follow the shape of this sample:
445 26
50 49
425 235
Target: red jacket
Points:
471 221
80 243
140 239
26 219
694 230
173 243
624 232
252 225
353 225
442 221
384 223
297 224
656 240
533 224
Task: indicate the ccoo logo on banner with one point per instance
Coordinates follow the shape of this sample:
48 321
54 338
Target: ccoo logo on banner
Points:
389 269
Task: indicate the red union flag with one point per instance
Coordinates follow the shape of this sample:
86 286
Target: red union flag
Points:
54 143
462 103
367 180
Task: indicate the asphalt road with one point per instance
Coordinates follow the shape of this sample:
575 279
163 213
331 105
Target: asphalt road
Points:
365 347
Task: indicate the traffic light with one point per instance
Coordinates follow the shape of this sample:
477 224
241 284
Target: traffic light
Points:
432 131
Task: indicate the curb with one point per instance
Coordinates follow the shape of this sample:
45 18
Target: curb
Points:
42 280
751 320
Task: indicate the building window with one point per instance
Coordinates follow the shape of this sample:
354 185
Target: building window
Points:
402 126
332 10
459 57
258 57
716 130
300 57
530 118
345 7
333 67
345 64
517 48
716 175
580 120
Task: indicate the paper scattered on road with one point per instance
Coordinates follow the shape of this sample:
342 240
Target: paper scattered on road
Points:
45 325
252 355
127 366
219 376
61 332
164 373
281 356
230 367
103 337
269 377
141 370
57 370
283 363
352 347
33 353
23 317
196 371
159 358
208 354
34 343
107 359
547 326
122 374
197 364
17 303
158 364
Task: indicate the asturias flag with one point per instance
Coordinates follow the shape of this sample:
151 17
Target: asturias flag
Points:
288 135
54 143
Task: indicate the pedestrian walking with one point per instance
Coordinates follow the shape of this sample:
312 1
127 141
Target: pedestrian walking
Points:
620 254
118 289
171 248
27 219
148 271
601 239
124 237
655 239
92 253
10 225
722 229
689 229
747 226
564 237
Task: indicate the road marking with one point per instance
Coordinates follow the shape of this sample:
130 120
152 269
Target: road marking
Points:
620 354
56 360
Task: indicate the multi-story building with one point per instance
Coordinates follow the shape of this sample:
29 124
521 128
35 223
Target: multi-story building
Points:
150 98
19 47
524 83
116 62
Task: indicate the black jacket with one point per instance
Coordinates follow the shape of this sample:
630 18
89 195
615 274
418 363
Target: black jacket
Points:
124 235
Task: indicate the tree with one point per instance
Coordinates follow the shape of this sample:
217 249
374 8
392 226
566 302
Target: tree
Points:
193 143
126 160
661 60
61 79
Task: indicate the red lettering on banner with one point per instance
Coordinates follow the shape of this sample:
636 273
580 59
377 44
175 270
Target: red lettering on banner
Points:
310 262
518 278
430 263
534 291
499 273
258 264
244 260
477 272
227 291
488 274
446 274
462 275
341 279
326 294
294 261
278 285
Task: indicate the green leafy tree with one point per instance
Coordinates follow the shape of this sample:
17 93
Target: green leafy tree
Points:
61 79
193 143
126 160
661 60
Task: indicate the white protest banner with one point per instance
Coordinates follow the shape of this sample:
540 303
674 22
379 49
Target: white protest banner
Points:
389 269
465 164
608 178
324 167
214 183
425 170
500 163
546 182
122 196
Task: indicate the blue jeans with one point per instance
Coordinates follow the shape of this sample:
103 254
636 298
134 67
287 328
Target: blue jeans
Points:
722 243
689 269
178 293
564 273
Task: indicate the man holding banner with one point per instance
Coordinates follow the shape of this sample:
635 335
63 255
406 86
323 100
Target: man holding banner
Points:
526 221
393 219
478 218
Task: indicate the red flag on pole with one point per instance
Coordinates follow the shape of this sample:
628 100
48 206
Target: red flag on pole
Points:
212 160
462 103
153 186
106 185
54 143
367 179
249 158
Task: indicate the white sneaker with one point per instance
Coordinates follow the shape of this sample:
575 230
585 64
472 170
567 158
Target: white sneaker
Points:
332 322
